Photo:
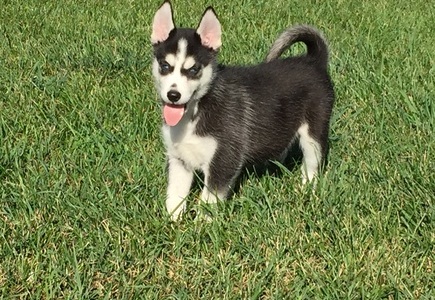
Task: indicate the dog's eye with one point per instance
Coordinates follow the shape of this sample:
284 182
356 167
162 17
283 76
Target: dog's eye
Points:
165 67
193 70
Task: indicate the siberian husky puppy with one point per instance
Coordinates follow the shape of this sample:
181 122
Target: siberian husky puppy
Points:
219 119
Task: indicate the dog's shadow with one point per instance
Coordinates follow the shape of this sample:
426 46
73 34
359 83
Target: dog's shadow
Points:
255 170
291 162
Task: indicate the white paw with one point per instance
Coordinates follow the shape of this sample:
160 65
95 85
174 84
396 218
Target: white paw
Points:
203 216
208 197
308 175
311 180
176 209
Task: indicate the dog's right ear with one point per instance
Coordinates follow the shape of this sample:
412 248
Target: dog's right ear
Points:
162 23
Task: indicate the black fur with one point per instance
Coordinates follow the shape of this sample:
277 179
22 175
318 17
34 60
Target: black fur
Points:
202 55
281 95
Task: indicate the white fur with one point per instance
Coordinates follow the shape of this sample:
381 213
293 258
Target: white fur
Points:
189 62
186 152
179 182
171 59
211 197
311 150
183 143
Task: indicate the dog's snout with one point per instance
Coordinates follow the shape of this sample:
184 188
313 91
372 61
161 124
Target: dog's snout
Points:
174 96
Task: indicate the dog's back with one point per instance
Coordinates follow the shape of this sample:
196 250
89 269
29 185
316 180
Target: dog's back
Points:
259 109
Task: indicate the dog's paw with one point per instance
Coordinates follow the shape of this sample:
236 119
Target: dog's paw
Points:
176 216
175 210
203 216
209 197
309 181
308 176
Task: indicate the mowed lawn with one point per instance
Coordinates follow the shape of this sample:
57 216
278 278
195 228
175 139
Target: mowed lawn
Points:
82 164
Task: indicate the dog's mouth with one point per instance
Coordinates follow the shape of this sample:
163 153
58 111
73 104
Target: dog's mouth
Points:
173 113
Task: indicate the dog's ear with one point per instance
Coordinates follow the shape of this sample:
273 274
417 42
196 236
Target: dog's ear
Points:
209 29
162 23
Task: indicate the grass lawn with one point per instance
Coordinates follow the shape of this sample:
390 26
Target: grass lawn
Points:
82 165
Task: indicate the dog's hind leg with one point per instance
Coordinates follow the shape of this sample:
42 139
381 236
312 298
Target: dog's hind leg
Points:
312 154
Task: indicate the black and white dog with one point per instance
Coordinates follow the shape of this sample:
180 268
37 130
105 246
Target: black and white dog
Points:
218 119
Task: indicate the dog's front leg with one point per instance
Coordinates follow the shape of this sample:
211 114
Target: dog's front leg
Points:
179 183
211 195
220 178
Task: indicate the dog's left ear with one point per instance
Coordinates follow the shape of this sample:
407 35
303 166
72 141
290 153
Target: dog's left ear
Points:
209 29
162 24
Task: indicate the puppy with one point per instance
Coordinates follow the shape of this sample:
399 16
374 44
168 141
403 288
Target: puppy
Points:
219 119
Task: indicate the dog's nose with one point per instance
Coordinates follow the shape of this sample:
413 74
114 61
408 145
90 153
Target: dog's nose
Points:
174 96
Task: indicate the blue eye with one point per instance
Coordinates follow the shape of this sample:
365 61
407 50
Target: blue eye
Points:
164 67
193 70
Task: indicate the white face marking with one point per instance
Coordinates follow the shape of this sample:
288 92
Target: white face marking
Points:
171 59
175 80
188 63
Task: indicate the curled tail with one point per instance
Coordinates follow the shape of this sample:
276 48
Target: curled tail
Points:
316 44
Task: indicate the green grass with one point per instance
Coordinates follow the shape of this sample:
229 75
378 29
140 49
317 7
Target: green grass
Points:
82 170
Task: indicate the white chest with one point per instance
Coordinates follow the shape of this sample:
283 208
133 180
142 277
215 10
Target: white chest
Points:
195 151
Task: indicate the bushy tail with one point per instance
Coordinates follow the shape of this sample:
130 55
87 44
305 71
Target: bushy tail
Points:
316 44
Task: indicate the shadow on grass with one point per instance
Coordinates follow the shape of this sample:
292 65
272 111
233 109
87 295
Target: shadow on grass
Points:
272 168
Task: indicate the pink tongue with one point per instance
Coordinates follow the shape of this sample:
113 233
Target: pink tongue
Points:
173 113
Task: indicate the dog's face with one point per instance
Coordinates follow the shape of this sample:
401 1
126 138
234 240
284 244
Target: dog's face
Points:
184 60
182 67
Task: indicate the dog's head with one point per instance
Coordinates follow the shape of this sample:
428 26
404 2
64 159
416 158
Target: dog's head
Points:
184 60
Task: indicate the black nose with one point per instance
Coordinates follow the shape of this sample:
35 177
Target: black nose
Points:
174 96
